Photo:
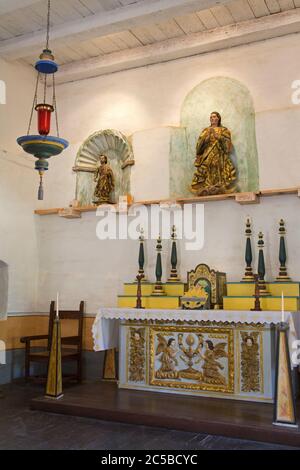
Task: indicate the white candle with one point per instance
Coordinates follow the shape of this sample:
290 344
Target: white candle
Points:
282 307
57 310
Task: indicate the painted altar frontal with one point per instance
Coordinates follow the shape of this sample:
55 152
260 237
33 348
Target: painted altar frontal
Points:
214 353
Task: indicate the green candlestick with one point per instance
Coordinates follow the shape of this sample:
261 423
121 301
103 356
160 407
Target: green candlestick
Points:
261 265
248 254
141 259
174 275
158 288
283 275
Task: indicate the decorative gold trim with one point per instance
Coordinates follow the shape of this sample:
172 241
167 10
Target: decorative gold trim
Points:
228 388
261 331
236 325
55 144
47 107
197 393
136 356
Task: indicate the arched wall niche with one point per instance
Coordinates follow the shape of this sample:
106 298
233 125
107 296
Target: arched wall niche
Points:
233 101
3 289
117 147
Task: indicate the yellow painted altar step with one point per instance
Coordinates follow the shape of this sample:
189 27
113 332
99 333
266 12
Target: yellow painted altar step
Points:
237 289
291 304
150 301
170 288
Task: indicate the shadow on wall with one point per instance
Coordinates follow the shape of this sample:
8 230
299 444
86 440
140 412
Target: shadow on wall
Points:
3 289
233 101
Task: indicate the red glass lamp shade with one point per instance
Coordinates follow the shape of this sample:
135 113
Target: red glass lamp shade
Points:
44 118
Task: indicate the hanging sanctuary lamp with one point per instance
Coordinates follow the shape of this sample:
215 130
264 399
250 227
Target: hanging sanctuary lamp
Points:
43 145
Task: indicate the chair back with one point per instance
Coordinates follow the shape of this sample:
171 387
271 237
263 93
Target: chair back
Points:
67 315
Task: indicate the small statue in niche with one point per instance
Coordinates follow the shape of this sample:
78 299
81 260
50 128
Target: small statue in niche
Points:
215 172
105 182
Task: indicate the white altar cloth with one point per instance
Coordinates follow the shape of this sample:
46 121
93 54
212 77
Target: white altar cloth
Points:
105 327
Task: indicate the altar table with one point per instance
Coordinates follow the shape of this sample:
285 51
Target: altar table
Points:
216 353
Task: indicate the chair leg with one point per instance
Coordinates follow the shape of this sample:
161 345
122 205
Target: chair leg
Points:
79 370
27 363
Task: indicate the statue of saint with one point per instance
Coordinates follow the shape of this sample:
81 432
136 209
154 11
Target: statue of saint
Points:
215 172
105 182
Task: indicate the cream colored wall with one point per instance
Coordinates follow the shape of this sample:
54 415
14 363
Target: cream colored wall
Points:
18 187
142 102
30 325
66 255
151 97
80 266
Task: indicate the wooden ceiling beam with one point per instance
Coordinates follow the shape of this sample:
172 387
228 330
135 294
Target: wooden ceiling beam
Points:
103 23
246 32
9 6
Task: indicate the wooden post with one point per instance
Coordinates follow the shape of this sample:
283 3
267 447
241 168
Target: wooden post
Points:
54 378
139 278
284 405
257 307
109 369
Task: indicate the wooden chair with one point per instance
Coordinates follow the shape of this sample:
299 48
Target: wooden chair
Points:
73 351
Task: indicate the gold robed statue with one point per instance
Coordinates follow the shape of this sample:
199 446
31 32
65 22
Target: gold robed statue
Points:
215 172
105 182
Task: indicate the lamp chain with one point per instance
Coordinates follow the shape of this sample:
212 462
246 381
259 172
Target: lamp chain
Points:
48 24
55 106
34 102
45 88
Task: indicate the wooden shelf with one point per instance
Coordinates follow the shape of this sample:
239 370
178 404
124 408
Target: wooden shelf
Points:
241 198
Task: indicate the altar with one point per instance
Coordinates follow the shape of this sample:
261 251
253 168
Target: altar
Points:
211 353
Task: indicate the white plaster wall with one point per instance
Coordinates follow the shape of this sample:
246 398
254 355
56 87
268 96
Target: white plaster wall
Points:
14 115
3 289
151 97
18 247
142 102
71 259
76 263
18 191
151 149
224 239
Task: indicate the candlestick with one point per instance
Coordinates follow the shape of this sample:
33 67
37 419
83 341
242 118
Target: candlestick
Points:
57 310
282 307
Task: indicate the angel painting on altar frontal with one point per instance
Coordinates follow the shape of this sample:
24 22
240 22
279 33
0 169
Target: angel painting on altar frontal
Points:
211 366
167 351
215 172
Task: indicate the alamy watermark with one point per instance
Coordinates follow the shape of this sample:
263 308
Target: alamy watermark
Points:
2 92
296 93
296 352
2 353
123 223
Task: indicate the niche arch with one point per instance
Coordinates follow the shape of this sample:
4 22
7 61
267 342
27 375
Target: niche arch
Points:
117 147
232 99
